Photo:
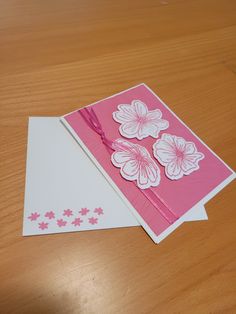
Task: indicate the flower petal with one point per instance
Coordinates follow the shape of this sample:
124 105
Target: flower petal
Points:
143 177
153 127
173 170
163 145
146 129
164 156
164 149
161 124
188 166
154 117
140 108
123 145
142 151
121 157
126 113
153 172
190 148
169 141
194 157
130 169
129 129
180 143
190 162
154 114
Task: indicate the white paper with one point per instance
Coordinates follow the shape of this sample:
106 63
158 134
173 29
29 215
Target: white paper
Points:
60 176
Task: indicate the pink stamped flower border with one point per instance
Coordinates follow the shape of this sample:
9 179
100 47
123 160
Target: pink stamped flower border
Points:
64 218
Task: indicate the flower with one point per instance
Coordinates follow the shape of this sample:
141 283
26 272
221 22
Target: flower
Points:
43 225
135 163
50 215
93 221
99 211
61 223
178 156
67 212
137 121
77 222
84 211
34 216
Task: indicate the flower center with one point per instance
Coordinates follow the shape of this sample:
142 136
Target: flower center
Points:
140 158
179 154
141 120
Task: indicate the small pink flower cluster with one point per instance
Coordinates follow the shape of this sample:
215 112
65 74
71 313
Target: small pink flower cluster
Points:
67 213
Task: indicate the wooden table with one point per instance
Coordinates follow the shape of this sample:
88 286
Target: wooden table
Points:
58 55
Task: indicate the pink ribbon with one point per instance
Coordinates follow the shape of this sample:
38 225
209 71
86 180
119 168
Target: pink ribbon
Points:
93 122
91 119
160 205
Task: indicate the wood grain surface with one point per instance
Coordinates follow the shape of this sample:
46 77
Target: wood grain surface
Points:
58 55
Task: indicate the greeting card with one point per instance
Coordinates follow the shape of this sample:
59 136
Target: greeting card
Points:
64 190
159 167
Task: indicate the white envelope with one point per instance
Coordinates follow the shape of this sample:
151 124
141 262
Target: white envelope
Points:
65 191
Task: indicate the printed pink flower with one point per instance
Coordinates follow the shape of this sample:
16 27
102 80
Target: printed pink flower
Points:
61 223
50 215
135 163
43 225
137 121
99 211
84 211
178 156
67 212
77 222
34 216
93 221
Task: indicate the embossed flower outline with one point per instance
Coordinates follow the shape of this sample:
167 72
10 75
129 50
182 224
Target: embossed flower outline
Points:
135 164
178 156
139 122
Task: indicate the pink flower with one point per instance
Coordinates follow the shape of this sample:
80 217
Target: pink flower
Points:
61 223
137 121
135 163
67 212
77 222
50 215
43 225
93 221
84 211
99 211
178 156
34 216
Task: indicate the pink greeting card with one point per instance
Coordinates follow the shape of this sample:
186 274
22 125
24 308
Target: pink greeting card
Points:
160 168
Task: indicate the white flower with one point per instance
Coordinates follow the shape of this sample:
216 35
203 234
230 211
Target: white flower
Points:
137 121
178 156
135 163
